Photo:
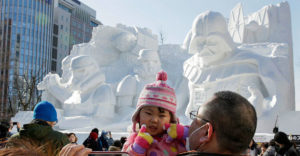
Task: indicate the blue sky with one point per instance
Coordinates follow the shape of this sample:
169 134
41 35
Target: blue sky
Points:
174 18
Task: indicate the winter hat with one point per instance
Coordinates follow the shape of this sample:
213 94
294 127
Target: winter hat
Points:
157 94
94 135
103 133
45 111
95 130
281 138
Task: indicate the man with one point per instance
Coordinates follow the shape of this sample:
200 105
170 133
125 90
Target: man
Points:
286 147
110 140
4 133
40 129
224 125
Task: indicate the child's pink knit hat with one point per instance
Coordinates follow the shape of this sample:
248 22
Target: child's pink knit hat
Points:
157 94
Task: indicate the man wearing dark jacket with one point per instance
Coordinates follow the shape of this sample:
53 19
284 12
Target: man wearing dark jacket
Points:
91 141
286 148
40 129
4 131
102 140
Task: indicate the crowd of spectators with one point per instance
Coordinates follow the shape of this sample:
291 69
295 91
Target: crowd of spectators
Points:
210 133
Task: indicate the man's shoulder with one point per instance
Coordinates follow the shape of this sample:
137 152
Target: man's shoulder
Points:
293 151
58 134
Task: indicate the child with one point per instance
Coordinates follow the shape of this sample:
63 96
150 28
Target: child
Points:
72 138
160 133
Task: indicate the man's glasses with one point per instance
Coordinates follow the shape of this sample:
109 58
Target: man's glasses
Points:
193 116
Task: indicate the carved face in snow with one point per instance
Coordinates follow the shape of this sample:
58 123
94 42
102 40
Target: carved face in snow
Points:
210 38
149 63
82 68
210 48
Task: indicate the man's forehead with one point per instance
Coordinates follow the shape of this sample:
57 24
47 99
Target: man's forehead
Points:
202 108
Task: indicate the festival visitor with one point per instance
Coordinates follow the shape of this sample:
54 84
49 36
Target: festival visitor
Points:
72 138
116 146
254 150
11 127
110 140
123 139
40 129
102 141
91 141
271 150
224 125
159 132
286 148
263 148
4 133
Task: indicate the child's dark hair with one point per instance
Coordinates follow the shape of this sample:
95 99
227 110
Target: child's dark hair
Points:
69 134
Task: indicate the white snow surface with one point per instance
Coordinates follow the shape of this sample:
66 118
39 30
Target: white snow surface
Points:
251 55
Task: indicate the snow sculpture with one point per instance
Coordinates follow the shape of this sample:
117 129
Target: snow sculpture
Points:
88 95
129 88
54 90
272 23
253 57
91 73
269 24
116 49
236 24
217 64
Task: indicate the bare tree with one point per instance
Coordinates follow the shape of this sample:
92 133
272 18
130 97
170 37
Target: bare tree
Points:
24 95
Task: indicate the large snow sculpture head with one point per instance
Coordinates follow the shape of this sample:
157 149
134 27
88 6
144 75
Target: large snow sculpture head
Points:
82 69
124 41
149 63
209 38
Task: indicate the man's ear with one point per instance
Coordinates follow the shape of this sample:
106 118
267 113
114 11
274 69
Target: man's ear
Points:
208 131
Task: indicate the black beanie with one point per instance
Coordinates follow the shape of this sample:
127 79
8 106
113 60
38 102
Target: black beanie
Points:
95 130
281 138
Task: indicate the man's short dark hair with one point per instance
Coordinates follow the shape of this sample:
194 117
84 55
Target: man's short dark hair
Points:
234 120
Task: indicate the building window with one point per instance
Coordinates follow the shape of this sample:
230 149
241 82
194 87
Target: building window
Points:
18 38
54 41
55 29
61 27
53 66
54 53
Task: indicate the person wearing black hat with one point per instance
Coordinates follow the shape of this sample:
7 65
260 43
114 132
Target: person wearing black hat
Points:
286 148
4 133
91 141
40 128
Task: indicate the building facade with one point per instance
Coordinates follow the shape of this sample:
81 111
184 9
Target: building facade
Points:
73 24
25 49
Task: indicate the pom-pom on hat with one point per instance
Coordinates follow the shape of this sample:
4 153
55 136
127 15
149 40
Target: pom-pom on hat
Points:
45 111
157 94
